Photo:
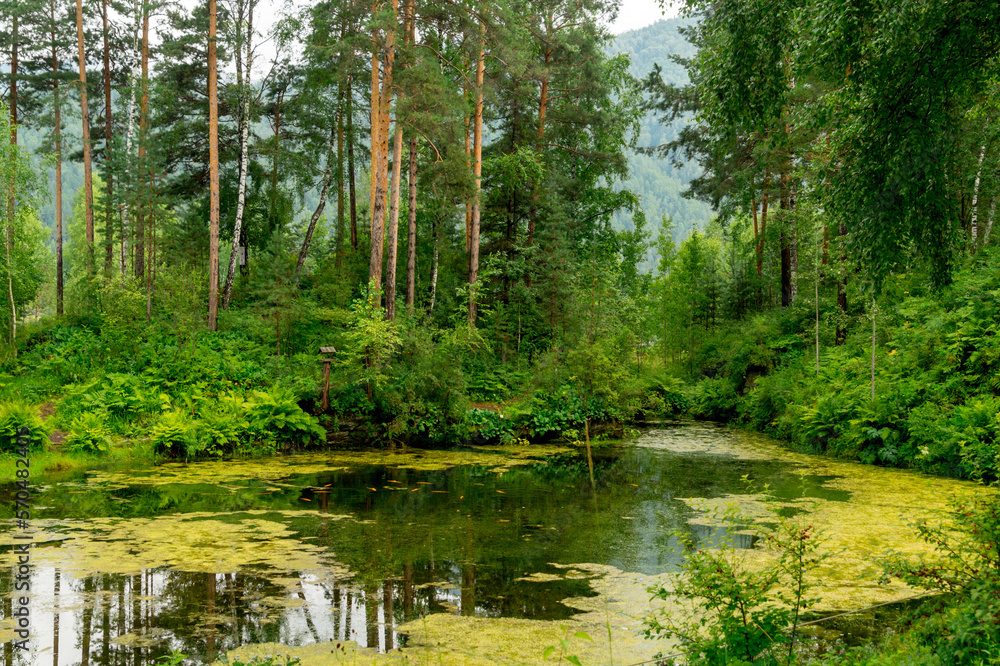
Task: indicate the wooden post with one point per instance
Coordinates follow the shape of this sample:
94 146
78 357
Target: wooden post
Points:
327 362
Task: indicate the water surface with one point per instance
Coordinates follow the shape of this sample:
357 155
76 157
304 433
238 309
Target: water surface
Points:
352 546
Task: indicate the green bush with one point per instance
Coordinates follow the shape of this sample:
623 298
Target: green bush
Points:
118 398
175 435
820 424
964 628
491 425
966 437
222 426
15 415
743 613
714 399
228 425
90 434
276 416
559 411
662 395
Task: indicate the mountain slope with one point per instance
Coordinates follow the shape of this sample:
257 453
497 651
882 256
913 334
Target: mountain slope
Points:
655 180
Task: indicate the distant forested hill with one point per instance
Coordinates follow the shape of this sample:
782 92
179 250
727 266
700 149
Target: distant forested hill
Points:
656 180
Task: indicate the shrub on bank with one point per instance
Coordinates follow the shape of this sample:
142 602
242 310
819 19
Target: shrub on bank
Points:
229 425
15 415
89 433
937 392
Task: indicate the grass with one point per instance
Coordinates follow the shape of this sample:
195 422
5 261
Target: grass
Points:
55 461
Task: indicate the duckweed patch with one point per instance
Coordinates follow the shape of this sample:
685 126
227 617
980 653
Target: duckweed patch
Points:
196 542
498 459
878 518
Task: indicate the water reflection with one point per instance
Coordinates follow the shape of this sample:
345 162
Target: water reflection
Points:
347 554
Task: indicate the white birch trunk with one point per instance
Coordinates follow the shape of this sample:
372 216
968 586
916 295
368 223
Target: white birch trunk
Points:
243 80
130 132
989 222
975 199
794 252
434 272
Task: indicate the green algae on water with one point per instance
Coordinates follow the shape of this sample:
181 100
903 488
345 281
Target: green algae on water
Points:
498 458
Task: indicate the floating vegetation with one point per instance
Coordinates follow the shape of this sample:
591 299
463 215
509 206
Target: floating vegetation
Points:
484 566
875 520
194 542
498 459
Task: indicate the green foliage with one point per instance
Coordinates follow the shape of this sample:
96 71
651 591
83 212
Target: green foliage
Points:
224 427
559 411
563 648
671 390
966 434
936 405
174 435
229 425
965 566
491 425
89 433
714 399
15 415
743 612
275 415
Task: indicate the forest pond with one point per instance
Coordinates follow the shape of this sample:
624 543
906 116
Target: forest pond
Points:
476 555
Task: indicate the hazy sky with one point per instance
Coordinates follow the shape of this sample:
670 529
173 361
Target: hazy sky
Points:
640 13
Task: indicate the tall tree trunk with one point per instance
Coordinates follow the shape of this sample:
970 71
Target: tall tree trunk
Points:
477 150
974 230
841 334
434 264
794 268
411 236
126 227
873 348
88 181
380 131
393 237
274 155
311 229
243 82
12 187
151 272
14 39
816 276
397 165
543 102
989 222
375 140
139 262
213 170
57 135
786 273
795 264
468 164
350 166
786 249
109 189
340 176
